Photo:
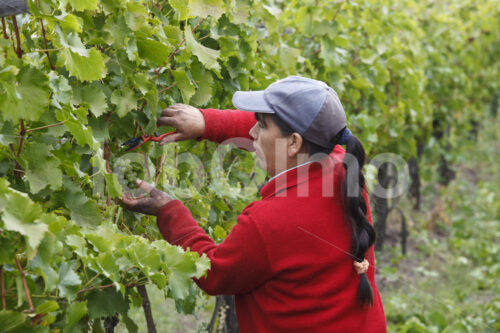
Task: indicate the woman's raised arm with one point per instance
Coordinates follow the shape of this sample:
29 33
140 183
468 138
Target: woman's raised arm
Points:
209 124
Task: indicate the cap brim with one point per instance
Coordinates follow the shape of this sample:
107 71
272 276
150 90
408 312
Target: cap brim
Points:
252 101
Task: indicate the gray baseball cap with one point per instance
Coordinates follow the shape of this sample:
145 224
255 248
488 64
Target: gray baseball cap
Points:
308 106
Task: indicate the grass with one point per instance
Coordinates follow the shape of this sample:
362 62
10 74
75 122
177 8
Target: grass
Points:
448 281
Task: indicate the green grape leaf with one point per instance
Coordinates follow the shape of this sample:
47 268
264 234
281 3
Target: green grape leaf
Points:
42 168
130 324
41 263
205 90
61 90
81 5
46 307
125 101
181 268
154 51
78 244
202 266
181 8
84 211
208 57
20 215
96 100
70 22
29 98
106 303
361 83
136 16
288 57
90 68
117 30
184 84
113 186
10 320
69 281
204 8
173 33
74 313
7 250
82 133
144 256
106 263
46 172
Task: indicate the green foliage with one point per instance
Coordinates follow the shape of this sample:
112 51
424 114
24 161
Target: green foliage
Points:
448 280
99 72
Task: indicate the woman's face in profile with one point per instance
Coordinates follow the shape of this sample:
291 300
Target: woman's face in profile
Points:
269 144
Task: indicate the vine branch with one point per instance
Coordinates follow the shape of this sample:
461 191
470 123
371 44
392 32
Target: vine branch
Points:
104 286
22 132
46 48
46 126
19 51
158 167
2 283
166 88
4 29
25 284
146 305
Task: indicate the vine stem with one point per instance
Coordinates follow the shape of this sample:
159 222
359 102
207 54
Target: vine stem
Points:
106 156
2 283
104 286
158 167
25 284
146 305
19 51
166 88
22 132
46 48
45 40
4 29
92 279
46 126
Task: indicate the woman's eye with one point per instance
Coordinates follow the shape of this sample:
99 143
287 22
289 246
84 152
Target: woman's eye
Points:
261 125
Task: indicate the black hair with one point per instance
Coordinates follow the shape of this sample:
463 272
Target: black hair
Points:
353 202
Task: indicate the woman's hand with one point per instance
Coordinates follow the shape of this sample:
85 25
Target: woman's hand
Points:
149 205
186 119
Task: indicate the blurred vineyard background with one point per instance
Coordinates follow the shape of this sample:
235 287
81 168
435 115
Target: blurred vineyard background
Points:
79 77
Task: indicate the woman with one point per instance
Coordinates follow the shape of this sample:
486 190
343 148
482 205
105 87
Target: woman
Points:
301 258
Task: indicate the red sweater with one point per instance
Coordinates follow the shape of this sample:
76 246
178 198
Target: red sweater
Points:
285 260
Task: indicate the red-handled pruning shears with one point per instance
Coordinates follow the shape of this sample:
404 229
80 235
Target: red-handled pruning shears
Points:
139 141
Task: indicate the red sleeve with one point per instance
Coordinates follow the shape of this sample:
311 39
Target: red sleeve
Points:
238 265
221 125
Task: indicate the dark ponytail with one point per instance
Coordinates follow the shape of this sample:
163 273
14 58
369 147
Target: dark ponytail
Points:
362 232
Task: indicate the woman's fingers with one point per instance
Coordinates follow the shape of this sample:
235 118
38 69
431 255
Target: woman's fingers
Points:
171 110
146 187
172 138
167 121
128 201
146 204
186 119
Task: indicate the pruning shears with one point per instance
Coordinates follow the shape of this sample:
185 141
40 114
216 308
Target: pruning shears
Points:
139 141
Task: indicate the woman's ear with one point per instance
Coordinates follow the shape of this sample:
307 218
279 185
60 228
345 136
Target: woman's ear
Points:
294 145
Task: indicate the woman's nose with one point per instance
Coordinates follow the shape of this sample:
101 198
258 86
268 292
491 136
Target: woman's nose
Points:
254 131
